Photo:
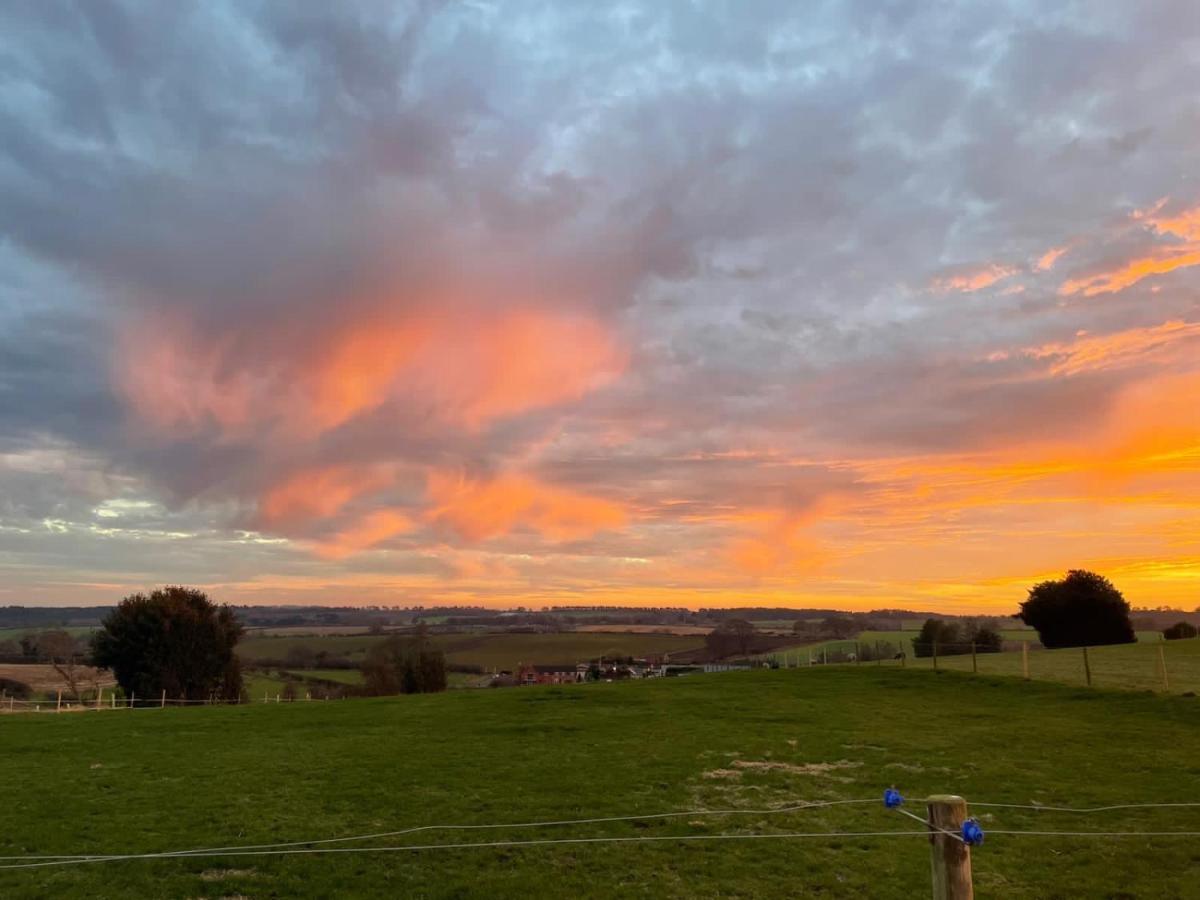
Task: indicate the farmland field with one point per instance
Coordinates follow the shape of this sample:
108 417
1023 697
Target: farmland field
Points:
15 634
491 651
121 782
44 681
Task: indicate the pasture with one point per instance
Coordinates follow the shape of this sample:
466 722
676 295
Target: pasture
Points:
1137 666
172 779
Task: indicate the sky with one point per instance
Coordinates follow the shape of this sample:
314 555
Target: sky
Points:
855 305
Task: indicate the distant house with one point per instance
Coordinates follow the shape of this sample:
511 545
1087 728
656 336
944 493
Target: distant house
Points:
558 673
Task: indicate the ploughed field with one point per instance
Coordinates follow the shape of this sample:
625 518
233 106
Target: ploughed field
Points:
161 780
491 651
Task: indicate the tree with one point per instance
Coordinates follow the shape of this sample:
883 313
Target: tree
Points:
839 627
942 634
730 637
986 640
405 665
65 655
1180 631
176 640
1081 610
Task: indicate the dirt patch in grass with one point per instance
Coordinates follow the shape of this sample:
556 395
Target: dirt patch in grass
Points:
223 874
739 767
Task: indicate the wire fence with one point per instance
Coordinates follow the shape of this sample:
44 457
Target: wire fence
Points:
945 821
115 701
1162 666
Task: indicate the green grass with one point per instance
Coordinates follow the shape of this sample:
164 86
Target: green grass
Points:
257 684
178 778
492 651
1123 666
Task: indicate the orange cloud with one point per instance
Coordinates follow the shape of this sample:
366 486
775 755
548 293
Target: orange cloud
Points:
970 280
318 493
462 368
1047 260
522 361
1185 227
1129 273
1114 350
372 529
777 541
173 380
478 510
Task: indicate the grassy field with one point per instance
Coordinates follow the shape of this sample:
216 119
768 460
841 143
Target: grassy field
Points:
492 651
214 777
902 640
1122 667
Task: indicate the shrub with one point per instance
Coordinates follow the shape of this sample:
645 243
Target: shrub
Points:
1180 631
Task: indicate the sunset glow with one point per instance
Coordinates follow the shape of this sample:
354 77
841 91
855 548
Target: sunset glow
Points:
586 308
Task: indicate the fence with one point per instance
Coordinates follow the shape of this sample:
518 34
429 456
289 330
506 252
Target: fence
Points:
1166 666
113 701
950 831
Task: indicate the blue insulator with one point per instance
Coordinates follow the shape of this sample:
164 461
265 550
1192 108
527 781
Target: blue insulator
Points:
892 798
972 834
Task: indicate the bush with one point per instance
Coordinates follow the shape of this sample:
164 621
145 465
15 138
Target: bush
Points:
1081 610
1180 631
18 689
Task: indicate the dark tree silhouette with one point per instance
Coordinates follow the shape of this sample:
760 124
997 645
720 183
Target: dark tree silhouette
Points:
1180 631
1081 610
405 664
986 640
942 634
730 637
175 640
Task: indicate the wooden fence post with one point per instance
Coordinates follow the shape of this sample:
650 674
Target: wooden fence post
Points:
99 697
58 707
857 653
113 698
1087 668
162 702
974 660
132 699
951 857
1162 658
1025 659
935 662
878 655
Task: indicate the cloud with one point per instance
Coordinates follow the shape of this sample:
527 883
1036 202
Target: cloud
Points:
1181 250
573 302
1137 345
970 279
1046 261
479 509
372 529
